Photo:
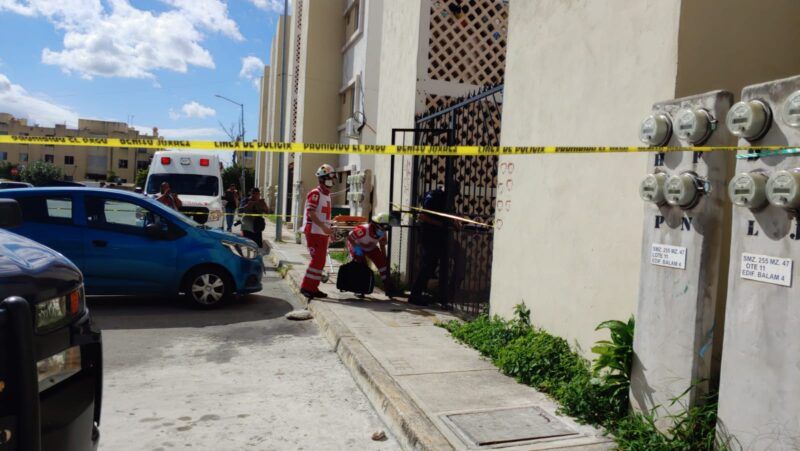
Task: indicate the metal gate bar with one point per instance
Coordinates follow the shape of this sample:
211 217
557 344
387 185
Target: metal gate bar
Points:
470 186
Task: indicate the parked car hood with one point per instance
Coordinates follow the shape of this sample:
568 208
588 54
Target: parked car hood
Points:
228 236
33 271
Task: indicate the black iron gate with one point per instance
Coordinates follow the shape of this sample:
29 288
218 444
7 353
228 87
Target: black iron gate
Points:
470 186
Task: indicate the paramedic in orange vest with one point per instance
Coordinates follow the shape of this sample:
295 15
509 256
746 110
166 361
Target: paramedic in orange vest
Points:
316 227
369 241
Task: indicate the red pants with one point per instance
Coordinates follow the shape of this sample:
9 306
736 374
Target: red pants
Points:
376 257
318 248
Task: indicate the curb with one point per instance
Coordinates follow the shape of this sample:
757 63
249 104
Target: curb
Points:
409 424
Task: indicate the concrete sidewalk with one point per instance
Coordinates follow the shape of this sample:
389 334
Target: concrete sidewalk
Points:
433 392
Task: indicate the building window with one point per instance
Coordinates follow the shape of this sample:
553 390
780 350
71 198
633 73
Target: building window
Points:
123 164
3 156
347 99
142 164
69 159
352 21
23 157
49 158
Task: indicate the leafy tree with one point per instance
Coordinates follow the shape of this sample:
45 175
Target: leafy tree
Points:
232 174
141 177
6 167
40 173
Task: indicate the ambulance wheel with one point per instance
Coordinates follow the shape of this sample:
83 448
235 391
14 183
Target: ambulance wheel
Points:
207 287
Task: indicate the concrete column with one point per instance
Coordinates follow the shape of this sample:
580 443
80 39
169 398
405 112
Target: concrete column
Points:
759 397
683 272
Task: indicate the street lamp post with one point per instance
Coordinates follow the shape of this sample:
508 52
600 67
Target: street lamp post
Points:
241 139
284 49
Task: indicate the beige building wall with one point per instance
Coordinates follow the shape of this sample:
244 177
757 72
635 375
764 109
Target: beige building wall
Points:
731 44
578 73
78 163
269 112
320 74
400 48
586 73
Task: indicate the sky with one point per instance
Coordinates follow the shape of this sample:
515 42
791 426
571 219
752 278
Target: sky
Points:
150 63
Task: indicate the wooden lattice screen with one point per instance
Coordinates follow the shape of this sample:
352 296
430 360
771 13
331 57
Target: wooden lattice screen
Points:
467 43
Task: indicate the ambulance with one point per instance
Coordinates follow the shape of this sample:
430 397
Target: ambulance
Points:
196 177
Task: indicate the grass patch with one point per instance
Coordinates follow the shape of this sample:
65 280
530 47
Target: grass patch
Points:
340 256
594 394
283 269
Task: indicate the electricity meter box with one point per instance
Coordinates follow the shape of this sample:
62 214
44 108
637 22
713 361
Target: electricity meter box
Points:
359 193
759 394
684 256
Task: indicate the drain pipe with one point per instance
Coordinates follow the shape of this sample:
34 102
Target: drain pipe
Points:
297 204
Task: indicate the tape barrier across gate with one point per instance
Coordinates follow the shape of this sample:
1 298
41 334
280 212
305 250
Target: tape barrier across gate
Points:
255 146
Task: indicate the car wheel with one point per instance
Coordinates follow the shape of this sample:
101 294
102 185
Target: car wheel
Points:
208 287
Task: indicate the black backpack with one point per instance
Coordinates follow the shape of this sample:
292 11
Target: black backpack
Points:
355 277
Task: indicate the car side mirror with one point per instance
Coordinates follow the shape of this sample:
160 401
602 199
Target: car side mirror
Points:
10 213
153 231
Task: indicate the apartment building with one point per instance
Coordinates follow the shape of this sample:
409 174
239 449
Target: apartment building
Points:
269 119
333 62
78 163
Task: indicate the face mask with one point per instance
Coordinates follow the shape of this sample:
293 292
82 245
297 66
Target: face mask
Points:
329 183
379 233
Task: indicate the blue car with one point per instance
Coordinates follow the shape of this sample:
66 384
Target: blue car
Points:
127 244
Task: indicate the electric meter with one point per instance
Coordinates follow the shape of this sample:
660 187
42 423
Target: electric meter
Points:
749 190
655 129
783 189
652 188
749 120
681 190
790 113
693 125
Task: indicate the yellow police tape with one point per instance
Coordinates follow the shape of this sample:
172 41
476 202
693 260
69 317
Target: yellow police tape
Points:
255 146
406 208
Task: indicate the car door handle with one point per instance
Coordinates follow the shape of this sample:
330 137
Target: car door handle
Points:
100 243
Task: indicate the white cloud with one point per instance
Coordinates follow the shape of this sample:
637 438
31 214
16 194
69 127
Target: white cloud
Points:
252 69
19 102
192 109
271 5
123 41
192 133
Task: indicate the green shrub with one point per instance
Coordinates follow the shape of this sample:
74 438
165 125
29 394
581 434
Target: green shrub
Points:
596 394
141 177
614 360
7 169
693 430
41 173
231 175
539 359
487 335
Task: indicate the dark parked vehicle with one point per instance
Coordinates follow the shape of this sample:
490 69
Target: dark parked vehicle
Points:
50 352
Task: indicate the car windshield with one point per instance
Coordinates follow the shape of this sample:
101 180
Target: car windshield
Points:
191 184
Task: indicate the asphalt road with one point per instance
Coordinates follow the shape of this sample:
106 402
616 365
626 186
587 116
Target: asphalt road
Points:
242 377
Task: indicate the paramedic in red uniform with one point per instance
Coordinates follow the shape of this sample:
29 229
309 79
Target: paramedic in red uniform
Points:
316 227
369 241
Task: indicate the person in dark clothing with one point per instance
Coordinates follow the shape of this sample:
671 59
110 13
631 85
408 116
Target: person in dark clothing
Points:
433 241
252 223
231 204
